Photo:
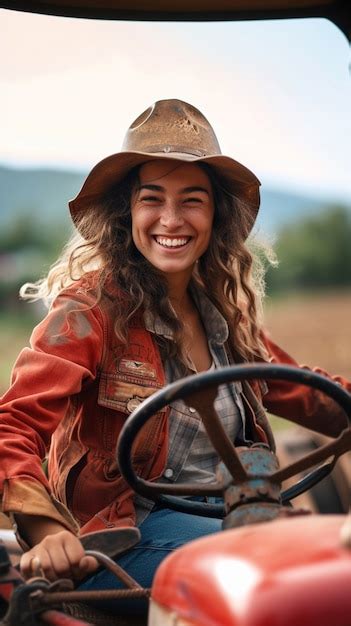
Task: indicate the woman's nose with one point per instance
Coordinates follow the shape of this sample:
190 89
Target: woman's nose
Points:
171 215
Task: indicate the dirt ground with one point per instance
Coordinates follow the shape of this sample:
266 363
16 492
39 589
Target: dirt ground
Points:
315 330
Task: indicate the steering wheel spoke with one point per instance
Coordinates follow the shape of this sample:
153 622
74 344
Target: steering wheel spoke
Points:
203 401
334 448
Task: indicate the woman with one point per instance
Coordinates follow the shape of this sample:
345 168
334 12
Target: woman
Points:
158 283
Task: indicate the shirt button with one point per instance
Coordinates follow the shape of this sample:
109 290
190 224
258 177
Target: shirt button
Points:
191 409
168 473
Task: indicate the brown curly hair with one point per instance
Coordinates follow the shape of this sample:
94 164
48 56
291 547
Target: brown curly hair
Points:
230 272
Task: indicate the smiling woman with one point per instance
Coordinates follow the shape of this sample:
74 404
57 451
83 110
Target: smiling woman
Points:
159 282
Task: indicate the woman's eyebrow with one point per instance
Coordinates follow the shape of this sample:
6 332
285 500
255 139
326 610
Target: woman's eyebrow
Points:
193 188
151 187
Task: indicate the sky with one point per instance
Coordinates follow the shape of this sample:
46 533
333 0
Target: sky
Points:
276 92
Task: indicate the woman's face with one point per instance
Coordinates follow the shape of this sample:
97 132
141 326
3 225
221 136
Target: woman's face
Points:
172 214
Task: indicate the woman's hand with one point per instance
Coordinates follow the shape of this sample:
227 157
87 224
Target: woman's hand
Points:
60 555
56 551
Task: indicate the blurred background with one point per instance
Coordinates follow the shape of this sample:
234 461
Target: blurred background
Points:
277 94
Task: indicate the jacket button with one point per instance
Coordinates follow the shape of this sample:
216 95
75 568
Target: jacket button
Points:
191 409
132 404
168 473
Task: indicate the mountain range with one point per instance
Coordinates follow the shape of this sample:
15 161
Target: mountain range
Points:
44 194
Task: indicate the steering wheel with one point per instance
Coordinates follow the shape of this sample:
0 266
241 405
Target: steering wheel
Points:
201 391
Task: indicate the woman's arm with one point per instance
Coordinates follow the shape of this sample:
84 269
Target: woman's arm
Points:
64 355
303 405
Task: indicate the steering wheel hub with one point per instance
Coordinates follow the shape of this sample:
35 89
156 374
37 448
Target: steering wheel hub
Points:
260 463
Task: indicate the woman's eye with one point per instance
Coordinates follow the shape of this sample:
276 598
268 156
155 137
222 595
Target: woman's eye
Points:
150 199
193 200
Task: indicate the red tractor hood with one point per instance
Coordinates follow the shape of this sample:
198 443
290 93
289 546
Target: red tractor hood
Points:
290 572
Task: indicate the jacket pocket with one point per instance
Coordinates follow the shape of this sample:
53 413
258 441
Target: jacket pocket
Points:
124 392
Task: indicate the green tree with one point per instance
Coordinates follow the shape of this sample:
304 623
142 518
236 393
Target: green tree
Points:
25 232
314 253
27 249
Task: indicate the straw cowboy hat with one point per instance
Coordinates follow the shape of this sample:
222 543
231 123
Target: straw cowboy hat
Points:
174 130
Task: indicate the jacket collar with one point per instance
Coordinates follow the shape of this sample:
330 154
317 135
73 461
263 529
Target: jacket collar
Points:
215 325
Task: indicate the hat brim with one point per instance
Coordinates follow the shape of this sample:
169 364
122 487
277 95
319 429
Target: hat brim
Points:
112 169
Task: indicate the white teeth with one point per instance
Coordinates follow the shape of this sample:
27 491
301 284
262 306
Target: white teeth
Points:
172 243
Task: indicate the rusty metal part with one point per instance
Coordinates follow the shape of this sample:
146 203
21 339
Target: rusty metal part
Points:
112 542
287 511
259 463
335 448
134 590
257 512
58 597
115 569
21 609
23 606
333 495
203 402
252 513
99 617
30 600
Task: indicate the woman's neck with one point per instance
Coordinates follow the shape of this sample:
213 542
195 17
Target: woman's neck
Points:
183 306
179 294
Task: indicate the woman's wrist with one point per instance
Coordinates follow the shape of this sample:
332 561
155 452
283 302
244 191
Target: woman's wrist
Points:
33 528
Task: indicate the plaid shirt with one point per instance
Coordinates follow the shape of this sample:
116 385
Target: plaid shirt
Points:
191 456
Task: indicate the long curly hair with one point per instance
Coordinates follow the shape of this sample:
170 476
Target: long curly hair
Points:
230 272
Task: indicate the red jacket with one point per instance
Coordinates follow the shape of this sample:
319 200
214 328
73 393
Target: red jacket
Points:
71 393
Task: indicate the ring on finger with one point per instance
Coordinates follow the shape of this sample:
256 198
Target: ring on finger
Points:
36 566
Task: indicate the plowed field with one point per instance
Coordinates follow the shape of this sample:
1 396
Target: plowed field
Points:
315 330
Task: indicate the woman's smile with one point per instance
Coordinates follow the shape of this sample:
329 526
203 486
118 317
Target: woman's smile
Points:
172 214
172 242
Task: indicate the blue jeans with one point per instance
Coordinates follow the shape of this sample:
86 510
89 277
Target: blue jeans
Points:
163 531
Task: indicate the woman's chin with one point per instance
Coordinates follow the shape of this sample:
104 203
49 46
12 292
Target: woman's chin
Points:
175 271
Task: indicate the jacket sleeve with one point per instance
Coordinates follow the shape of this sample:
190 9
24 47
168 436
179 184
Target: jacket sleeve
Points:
64 354
303 405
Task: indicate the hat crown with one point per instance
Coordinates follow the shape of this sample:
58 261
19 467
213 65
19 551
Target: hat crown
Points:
172 126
